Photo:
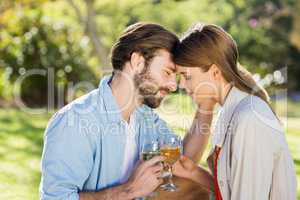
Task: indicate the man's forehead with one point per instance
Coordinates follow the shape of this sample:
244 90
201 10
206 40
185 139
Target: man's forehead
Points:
167 59
171 65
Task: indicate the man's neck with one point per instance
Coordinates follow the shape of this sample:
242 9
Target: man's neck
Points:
123 90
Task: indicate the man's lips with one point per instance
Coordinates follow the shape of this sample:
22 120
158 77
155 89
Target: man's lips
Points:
164 92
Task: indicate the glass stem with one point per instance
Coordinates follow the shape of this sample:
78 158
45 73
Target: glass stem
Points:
171 175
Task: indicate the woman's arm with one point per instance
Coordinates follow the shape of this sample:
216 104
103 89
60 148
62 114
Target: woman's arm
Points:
188 169
196 139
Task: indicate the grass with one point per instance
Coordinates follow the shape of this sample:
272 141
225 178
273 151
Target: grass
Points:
21 141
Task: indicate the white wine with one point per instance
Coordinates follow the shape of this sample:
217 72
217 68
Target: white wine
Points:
171 154
149 155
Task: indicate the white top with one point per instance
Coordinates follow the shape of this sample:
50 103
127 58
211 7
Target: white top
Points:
131 150
254 162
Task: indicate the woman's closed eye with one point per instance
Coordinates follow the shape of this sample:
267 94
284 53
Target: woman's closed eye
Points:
187 77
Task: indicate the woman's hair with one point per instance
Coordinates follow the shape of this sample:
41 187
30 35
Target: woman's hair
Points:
204 45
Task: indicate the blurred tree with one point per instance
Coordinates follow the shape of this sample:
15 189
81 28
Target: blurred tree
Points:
261 28
263 31
294 70
30 42
87 20
103 21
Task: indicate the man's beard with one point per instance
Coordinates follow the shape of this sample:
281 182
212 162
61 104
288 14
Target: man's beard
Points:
148 89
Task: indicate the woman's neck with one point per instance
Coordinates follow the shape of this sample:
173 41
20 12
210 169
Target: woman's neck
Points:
224 92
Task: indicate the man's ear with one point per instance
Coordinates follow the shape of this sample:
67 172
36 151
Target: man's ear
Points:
137 62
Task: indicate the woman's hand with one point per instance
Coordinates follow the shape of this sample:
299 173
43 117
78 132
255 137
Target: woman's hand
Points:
184 168
206 105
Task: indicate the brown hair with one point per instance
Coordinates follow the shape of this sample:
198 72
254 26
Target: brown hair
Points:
204 45
144 38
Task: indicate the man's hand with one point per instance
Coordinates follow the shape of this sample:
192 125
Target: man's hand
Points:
146 178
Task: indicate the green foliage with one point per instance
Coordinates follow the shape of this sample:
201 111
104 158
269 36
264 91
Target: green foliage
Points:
29 40
263 30
5 85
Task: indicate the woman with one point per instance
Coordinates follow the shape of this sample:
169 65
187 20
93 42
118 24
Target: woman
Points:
250 159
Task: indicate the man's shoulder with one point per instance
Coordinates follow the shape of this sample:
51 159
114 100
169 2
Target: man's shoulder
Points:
86 103
83 108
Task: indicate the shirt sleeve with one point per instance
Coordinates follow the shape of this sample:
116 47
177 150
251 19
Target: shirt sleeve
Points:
252 159
67 160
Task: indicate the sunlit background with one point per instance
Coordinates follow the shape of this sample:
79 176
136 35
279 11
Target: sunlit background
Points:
52 51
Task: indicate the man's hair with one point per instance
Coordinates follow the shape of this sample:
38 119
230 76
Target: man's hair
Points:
143 38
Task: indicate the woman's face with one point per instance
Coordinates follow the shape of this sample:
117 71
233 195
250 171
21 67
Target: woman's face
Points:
200 85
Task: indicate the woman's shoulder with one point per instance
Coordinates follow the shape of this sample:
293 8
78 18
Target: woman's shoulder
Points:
253 111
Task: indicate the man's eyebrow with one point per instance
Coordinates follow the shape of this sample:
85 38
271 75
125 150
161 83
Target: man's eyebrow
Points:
172 67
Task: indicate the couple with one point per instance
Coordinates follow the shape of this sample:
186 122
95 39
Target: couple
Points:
92 146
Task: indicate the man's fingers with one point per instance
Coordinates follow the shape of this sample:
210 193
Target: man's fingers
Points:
153 161
159 175
156 168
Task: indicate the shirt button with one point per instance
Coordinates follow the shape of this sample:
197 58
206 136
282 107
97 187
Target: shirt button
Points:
221 183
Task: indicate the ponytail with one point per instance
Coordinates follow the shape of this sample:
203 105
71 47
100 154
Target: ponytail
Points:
246 83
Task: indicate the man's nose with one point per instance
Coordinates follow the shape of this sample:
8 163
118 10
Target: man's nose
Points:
172 84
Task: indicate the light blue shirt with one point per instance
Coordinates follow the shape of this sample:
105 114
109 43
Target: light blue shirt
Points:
84 144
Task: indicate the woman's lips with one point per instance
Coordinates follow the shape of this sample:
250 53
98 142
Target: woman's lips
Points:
190 93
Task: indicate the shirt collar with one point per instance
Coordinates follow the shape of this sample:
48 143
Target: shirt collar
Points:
234 97
110 106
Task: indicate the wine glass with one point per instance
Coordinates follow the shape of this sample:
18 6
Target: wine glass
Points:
171 149
150 149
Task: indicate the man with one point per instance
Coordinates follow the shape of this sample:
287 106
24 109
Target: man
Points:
92 145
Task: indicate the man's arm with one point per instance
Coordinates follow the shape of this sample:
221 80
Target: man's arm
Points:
196 139
122 192
145 179
67 159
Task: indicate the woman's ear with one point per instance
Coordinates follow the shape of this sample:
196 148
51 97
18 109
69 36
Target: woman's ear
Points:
215 72
137 62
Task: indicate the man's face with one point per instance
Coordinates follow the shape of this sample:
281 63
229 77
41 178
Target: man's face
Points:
157 79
